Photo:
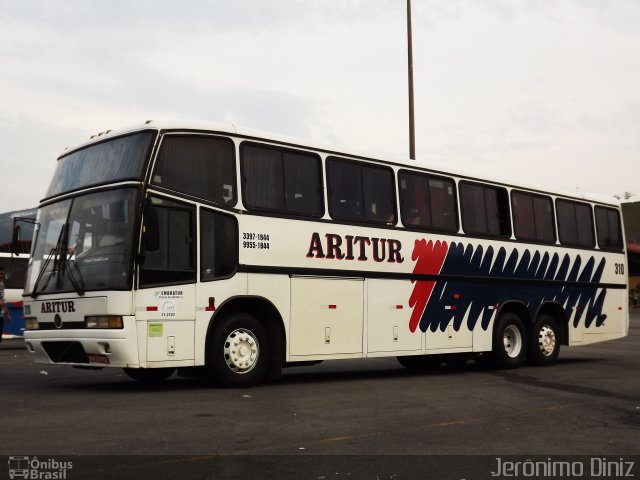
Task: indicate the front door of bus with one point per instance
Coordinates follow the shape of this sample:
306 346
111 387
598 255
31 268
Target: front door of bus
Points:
165 300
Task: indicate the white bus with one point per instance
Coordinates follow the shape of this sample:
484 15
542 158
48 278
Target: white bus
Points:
229 253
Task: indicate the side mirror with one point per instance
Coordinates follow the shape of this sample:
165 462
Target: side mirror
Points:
16 246
151 229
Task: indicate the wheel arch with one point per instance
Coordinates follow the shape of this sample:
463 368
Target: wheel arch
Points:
519 308
262 310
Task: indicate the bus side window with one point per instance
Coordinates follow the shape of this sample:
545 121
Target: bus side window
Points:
485 210
281 180
608 228
198 165
575 223
533 217
427 201
361 192
218 245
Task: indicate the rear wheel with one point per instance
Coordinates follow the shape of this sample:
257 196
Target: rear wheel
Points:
239 352
421 363
544 342
149 376
509 342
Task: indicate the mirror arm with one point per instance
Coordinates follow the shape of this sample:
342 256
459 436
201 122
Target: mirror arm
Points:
15 240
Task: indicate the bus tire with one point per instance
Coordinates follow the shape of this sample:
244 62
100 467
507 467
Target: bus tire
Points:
544 341
149 376
421 363
509 342
240 351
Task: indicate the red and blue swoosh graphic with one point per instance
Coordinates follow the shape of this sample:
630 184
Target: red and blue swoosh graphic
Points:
455 278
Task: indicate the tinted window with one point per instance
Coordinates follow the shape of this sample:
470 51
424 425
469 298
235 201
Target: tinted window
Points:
608 228
361 192
122 158
575 223
428 201
282 180
201 166
533 217
218 245
171 259
485 210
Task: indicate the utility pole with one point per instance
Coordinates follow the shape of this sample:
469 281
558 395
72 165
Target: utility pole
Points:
412 128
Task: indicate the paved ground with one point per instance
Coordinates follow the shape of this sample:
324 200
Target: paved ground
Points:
587 404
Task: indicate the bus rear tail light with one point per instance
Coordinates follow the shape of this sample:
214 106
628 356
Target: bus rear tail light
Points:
103 321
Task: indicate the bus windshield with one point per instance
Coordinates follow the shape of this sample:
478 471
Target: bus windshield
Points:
121 158
84 243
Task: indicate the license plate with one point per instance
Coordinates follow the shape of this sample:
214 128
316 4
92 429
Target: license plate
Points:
98 358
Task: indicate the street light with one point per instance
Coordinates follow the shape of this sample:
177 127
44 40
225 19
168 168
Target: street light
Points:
412 132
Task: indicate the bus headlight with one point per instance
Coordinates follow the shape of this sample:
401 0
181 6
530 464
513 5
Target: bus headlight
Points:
31 323
103 321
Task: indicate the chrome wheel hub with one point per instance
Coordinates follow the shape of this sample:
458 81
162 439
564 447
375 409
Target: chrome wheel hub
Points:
241 351
512 339
546 340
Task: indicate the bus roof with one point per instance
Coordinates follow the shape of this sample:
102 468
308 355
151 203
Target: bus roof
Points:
231 129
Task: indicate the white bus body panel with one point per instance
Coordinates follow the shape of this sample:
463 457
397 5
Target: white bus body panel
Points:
388 318
104 347
166 324
326 318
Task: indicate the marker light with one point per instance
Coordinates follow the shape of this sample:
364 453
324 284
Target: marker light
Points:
103 321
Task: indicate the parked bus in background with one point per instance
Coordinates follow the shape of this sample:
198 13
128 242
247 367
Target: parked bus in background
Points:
230 253
15 269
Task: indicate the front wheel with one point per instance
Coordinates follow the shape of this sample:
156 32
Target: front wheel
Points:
509 342
239 352
544 343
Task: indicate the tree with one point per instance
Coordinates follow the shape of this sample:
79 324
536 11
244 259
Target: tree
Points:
625 196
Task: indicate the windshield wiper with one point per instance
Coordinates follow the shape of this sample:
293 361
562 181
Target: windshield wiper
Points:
54 253
60 266
78 284
34 293
64 268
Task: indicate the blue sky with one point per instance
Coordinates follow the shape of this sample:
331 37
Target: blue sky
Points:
533 91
